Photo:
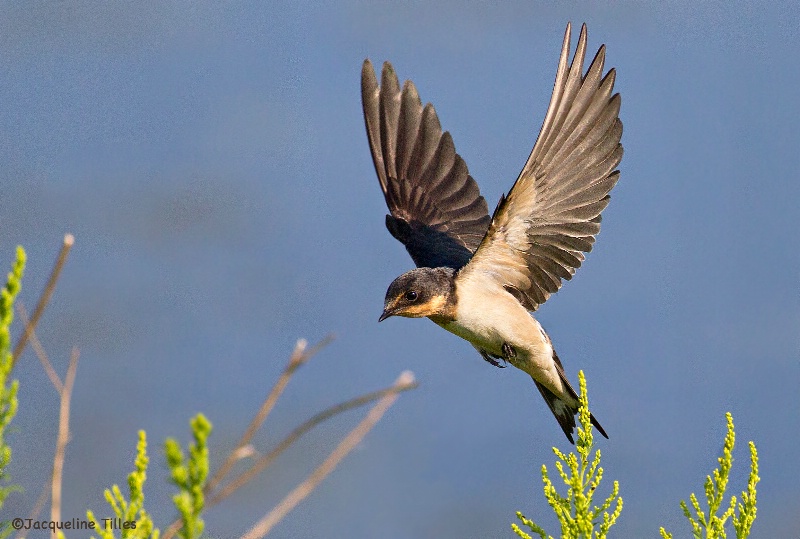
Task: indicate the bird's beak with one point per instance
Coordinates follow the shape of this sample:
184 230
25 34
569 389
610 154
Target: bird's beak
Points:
389 310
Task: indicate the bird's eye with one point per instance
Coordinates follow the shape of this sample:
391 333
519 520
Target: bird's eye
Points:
411 295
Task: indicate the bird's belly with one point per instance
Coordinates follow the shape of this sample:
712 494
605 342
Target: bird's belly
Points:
490 322
485 338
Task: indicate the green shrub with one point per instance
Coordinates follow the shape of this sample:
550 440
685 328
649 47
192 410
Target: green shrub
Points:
580 519
575 511
8 387
742 514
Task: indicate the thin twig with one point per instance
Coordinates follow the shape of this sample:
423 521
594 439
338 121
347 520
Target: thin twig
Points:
39 349
299 356
353 438
63 437
69 239
37 508
266 460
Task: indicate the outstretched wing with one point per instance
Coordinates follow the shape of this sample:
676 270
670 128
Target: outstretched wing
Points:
551 216
437 210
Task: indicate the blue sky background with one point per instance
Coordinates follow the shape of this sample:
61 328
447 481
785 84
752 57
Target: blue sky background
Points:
212 163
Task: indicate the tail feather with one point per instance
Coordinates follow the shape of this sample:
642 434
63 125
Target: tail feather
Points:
564 412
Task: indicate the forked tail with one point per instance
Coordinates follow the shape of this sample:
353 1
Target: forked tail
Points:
565 413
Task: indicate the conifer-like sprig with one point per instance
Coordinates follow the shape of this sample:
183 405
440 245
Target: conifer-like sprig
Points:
743 521
132 521
8 387
190 476
711 525
578 516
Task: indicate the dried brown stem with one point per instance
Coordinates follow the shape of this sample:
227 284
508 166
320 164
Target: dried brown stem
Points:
37 508
63 437
301 491
69 239
265 460
39 349
300 355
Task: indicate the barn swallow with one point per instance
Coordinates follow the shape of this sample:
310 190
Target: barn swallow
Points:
481 277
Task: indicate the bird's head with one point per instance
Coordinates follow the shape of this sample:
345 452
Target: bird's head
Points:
420 292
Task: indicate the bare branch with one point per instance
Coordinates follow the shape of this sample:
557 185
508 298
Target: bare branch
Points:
37 508
301 491
69 239
63 437
266 460
39 349
299 356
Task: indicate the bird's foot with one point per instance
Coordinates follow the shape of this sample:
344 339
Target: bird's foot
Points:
509 354
491 359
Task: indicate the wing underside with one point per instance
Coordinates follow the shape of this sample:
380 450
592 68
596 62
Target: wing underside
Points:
550 218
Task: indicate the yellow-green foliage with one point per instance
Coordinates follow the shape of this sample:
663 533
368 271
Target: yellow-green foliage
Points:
8 388
710 525
579 518
190 477
132 521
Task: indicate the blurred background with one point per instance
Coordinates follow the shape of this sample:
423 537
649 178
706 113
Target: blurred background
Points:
212 163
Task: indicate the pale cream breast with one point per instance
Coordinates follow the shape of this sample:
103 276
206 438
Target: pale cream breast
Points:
488 316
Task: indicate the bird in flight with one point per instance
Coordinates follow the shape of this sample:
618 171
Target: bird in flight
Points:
481 277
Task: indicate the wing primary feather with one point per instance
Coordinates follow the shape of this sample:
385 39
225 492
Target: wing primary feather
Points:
581 158
570 88
408 128
369 100
464 192
585 212
451 182
441 166
390 111
598 116
558 89
425 151
580 109
598 182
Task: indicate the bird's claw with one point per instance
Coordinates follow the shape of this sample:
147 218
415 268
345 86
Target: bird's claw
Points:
491 359
509 354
